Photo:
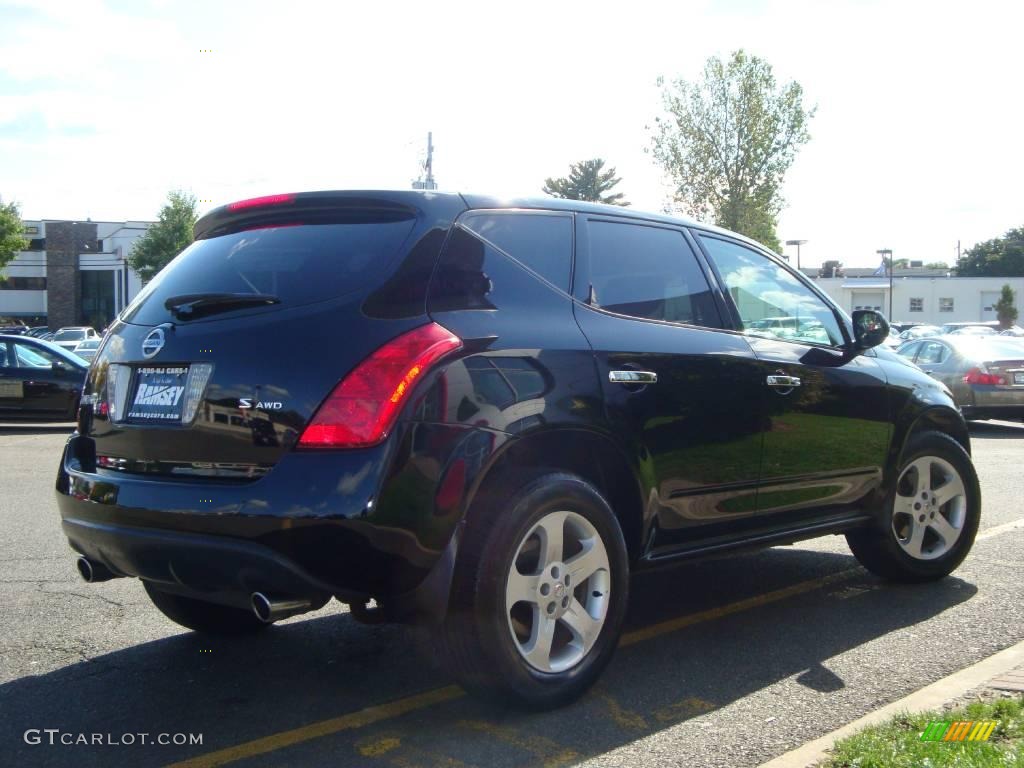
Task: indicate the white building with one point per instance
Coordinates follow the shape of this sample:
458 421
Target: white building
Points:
924 299
74 273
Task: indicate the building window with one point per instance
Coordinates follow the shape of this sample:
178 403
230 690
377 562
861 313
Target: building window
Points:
917 305
945 305
23 284
37 244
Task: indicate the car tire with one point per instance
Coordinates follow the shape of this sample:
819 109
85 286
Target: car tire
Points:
202 616
923 535
576 592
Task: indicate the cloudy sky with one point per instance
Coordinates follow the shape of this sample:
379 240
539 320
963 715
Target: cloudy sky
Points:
106 105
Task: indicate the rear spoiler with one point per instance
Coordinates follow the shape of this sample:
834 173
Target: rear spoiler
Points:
321 208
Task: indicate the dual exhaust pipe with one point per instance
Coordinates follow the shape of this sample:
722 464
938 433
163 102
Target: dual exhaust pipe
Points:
93 572
271 609
266 608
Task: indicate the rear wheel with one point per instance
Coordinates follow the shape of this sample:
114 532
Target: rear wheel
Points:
540 592
932 516
201 616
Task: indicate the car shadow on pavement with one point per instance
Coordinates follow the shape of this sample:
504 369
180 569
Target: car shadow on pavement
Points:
737 641
996 429
13 428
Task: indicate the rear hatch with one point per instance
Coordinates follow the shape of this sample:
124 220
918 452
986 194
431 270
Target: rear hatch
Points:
218 365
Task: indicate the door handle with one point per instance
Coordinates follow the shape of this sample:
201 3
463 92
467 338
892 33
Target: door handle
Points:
783 382
632 377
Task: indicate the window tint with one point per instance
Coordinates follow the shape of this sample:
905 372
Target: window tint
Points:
932 352
297 264
541 241
770 300
648 272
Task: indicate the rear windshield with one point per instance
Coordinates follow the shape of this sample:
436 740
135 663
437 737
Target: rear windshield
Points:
296 264
69 336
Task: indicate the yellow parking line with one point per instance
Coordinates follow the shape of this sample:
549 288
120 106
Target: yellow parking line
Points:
348 722
672 625
400 707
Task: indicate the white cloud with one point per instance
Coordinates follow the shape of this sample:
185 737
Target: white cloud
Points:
913 145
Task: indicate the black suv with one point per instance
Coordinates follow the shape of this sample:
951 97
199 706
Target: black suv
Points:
482 415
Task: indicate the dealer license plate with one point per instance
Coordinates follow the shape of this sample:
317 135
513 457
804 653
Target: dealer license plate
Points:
159 394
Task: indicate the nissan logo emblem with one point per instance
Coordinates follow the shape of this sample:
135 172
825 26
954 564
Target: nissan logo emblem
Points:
153 342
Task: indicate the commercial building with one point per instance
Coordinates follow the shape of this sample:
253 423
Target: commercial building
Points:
73 273
923 296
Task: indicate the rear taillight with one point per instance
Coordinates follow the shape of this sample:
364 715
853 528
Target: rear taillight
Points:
978 376
362 409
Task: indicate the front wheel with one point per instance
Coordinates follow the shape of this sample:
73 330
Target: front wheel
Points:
539 594
932 518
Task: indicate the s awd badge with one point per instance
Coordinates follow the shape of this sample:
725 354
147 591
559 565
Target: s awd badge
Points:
263 405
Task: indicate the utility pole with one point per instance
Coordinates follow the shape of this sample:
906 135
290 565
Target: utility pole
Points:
428 167
887 252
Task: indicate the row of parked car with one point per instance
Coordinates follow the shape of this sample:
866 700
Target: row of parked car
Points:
82 340
982 365
902 332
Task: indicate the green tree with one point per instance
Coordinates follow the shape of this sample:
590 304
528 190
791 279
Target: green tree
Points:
1005 311
12 238
936 265
587 181
171 234
999 257
727 141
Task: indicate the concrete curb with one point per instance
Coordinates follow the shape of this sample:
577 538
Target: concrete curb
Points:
930 697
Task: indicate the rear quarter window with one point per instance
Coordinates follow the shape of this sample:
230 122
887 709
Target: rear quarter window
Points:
297 264
541 241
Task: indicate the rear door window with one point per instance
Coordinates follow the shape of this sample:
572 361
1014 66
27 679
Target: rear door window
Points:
296 264
648 272
541 241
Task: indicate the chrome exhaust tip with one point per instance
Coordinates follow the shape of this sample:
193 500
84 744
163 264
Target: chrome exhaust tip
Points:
270 609
92 572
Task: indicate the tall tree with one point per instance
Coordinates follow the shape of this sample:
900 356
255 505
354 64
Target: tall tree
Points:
727 141
587 181
12 238
999 257
1005 311
168 237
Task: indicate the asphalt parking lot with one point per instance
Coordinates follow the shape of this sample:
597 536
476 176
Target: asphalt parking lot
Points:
725 663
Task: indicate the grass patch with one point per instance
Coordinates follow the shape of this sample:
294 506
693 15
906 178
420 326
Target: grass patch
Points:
897 743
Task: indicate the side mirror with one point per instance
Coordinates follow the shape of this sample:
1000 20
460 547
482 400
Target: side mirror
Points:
870 328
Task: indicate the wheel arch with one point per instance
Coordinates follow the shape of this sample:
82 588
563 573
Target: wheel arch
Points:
938 419
586 453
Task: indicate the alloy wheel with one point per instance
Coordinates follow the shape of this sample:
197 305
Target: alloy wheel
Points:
930 508
557 591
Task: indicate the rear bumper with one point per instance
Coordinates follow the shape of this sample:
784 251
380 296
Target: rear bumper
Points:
355 524
991 402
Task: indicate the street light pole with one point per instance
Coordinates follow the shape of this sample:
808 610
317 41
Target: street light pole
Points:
797 243
887 252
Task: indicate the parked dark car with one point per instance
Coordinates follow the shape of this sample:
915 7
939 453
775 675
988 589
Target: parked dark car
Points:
984 373
38 380
485 415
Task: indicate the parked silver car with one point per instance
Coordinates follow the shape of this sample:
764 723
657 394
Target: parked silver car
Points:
985 373
70 337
